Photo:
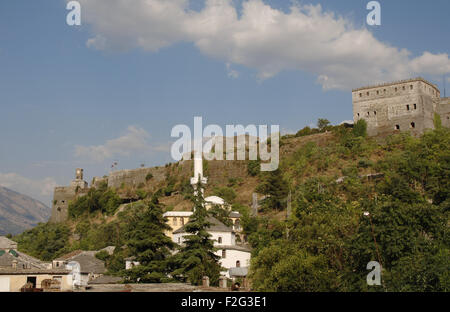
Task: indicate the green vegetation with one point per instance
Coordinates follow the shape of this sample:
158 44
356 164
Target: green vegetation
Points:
328 241
196 258
402 182
275 188
45 241
146 240
102 199
227 193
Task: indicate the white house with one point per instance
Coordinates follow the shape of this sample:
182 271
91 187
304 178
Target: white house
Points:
231 254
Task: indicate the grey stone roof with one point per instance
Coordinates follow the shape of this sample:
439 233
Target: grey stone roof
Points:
6 243
216 226
89 263
234 214
106 279
11 271
23 261
238 272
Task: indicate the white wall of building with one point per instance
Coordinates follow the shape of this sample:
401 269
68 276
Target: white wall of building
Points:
228 238
4 284
231 257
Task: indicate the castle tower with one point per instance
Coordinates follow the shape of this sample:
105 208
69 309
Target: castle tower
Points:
79 174
407 105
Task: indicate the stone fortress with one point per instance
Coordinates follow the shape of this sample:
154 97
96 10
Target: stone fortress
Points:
407 105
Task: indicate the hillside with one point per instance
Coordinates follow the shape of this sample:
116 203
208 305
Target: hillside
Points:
335 177
19 212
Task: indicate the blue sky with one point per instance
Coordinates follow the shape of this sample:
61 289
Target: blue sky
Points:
113 88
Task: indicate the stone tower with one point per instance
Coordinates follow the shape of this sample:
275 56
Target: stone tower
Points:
407 105
79 174
64 194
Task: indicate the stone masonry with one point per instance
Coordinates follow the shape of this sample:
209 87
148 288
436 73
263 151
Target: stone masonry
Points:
64 194
407 105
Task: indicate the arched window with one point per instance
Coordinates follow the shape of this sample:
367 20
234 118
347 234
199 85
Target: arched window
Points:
182 221
175 221
224 253
238 264
413 125
219 240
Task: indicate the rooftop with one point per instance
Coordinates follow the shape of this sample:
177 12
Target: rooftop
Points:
396 82
239 272
19 271
214 200
87 260
6 243
178 214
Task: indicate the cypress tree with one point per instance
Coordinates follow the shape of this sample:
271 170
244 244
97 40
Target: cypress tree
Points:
197 257
146 239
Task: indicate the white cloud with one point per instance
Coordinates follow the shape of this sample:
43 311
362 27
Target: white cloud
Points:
232 73
261 37
133 141
39 189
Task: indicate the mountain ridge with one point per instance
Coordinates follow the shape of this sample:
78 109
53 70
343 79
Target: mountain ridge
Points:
19 212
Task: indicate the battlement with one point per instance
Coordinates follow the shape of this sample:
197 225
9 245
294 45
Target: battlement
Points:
398 82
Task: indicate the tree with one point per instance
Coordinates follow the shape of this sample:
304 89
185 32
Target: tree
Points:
275 188
147 241
322 123
360 128
197 257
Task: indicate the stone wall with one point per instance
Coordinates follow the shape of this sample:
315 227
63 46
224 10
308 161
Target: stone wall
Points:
444 111
407 105
60 206
135 177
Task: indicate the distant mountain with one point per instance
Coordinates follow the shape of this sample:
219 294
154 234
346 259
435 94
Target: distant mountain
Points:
19 212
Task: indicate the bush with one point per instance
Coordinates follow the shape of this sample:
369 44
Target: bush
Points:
227 193
360 128
253 167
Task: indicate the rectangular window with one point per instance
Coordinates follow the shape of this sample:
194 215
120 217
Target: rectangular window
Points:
407 107
415 106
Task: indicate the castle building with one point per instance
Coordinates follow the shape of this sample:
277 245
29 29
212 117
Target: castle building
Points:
407 105
64 194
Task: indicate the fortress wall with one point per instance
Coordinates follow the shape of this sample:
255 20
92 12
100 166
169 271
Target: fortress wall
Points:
135 177
60 205
404 106
444 111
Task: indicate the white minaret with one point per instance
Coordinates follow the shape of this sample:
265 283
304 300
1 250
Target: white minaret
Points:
198 156
198 173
